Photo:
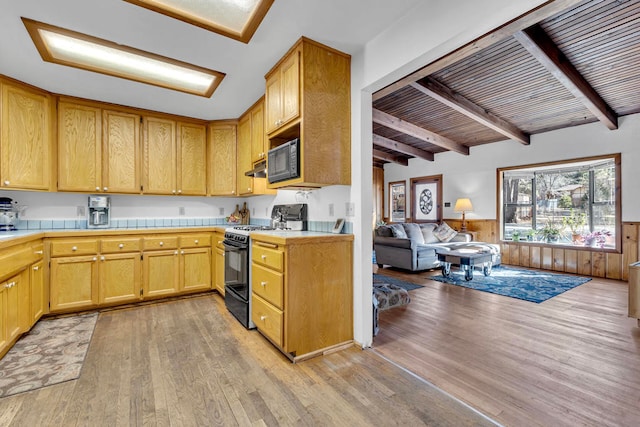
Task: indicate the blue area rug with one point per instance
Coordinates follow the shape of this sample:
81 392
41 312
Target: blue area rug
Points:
380 278
529 285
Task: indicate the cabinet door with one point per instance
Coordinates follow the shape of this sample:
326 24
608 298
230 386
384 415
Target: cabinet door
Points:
38 293
160 273
26 140
192 159
219 268
290 88
273 102
79 147
3 317
120 276
196 269
222 159
258 137
245 183
73 283
159 156
121 152
13 291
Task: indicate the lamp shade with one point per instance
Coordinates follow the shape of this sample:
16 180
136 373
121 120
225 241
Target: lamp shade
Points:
463 205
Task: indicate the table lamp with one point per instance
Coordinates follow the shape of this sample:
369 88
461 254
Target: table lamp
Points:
463 205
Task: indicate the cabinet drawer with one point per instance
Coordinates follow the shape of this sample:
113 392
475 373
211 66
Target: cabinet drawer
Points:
195 241
155 243
119 244
74 247
217 239
268 284
13 260
268 319
271 257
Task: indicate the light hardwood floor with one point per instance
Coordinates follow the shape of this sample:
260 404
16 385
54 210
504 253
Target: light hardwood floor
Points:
189 363
571 360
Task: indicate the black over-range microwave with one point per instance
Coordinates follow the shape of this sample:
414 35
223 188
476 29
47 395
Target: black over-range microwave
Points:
283 161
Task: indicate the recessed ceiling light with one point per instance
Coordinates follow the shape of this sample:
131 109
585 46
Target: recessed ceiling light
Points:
237 19
66 47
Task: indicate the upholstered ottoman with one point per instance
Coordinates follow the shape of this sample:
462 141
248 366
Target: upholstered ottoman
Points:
386 296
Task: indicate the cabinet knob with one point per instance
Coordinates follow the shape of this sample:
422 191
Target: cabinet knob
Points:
263 284
219 242
101 258
74 248
97 188
161 243
181 252
121 245
179 191
36 268
263 318
222 255
106 189
95 258
196 241
233 191
173 191
175 253
38 252
249 189
264 257
7 183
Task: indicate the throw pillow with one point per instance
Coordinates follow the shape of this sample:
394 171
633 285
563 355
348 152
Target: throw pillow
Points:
414 232
398 231
444 233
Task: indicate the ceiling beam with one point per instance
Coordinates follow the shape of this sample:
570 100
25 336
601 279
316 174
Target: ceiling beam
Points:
377 154
381 141
507 30
453 99
543 49
400 125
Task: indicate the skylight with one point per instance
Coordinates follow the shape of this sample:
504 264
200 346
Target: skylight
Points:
237 19
66 47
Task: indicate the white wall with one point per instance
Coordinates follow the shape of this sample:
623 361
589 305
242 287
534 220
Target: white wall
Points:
474 176
431 30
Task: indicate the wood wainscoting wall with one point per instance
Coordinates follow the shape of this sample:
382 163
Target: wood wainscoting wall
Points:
567 259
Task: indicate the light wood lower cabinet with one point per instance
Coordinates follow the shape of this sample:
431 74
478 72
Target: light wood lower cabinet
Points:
303 292
195 269
74 283
39 302
120 276
160 273
218 274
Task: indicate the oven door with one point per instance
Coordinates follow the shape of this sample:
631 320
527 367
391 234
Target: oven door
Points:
236 268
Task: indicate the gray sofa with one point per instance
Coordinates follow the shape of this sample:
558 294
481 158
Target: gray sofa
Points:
412 246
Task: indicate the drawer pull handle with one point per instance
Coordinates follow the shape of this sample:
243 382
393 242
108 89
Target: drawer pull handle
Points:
263 318
121 245
10 285
263 284
267 245
36 268
38 252
161 243
74 248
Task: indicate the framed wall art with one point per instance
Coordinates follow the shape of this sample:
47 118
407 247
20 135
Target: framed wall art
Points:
426 199
397 201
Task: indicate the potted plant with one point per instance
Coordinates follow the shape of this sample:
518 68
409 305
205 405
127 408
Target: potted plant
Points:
515 235
530 234
550 232
574 222
598 237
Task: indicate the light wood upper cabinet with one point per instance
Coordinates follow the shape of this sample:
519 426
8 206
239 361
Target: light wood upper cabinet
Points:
259 146
222 159
121 152
26 138
283 92
314 102
79 147
192 159
159 156
245 183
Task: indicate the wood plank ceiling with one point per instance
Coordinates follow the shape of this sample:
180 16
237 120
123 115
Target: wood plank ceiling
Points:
566 64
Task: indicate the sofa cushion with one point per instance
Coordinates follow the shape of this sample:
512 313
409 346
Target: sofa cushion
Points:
384 231
427 232
414 232
444 233
398 231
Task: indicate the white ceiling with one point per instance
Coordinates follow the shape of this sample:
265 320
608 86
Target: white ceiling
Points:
343 24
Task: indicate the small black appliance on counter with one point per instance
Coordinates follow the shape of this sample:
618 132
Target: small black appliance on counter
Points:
289 217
